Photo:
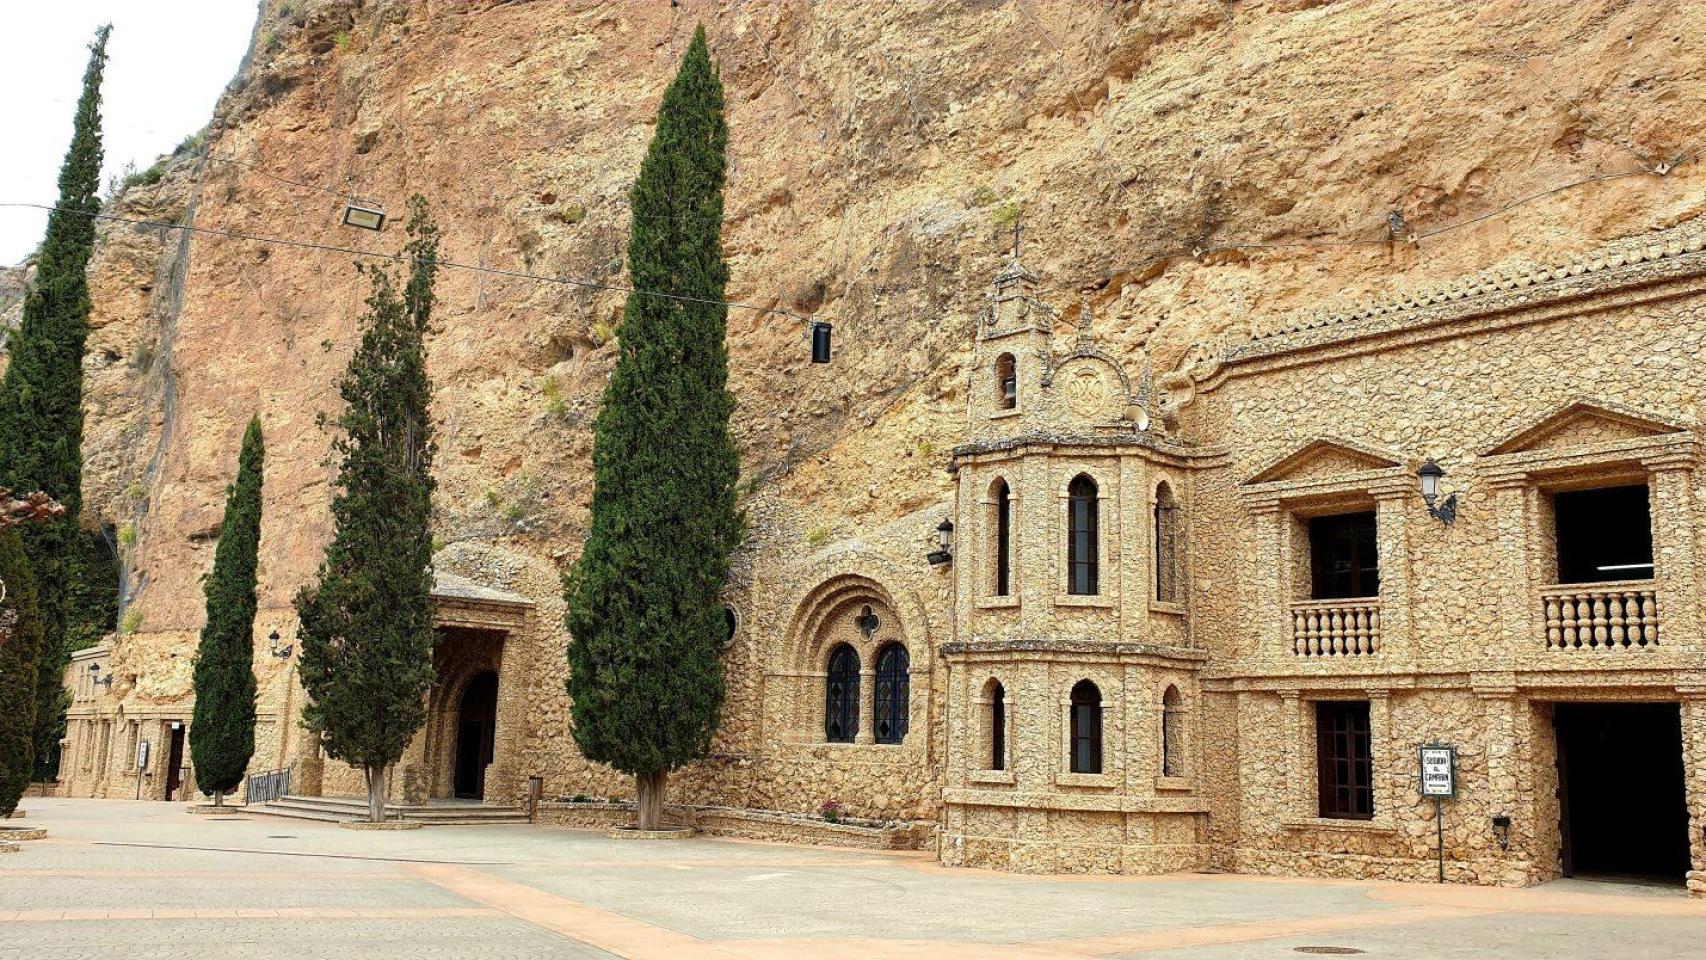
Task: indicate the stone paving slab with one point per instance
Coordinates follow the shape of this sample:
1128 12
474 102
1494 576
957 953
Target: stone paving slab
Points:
145 881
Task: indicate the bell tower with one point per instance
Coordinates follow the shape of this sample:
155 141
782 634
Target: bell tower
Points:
1012 355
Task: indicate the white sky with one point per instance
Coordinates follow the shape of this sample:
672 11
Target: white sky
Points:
167 63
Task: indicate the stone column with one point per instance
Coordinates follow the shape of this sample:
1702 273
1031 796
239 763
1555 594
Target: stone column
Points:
1388 760
1692 688
1673 523
1391 508
1294 802
1512 507
1269 598
867 704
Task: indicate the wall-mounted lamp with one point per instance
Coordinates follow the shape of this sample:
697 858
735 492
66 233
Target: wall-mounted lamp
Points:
820 341
95 678
1445 511
944 552
1502 831
364 216
283 654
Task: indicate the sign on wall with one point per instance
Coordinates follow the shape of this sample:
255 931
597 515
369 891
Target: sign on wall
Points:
1439 771
142 755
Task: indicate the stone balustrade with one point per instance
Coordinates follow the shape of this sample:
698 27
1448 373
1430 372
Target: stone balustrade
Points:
1335 628
1623 615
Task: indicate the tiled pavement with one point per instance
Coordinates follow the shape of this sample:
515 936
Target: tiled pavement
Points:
119 879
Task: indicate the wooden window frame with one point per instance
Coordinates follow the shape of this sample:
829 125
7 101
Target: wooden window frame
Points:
1344 759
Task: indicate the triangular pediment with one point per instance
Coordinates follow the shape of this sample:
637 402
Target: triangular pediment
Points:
1582 424
1325 457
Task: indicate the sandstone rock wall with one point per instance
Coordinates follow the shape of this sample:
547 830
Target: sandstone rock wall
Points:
880 156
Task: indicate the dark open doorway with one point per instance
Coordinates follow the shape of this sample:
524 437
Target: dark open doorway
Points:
476 729
175 762
1620 790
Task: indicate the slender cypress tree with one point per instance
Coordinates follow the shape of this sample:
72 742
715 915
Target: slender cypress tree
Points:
41 395
222 734
366 626
645 673
20 647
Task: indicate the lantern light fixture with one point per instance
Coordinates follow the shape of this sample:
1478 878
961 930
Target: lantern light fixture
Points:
282 654
944 552
1445 511
364 216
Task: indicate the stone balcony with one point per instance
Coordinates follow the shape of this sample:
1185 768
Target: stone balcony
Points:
1620 615
1335 628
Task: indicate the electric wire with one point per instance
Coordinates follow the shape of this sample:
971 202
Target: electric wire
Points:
399 258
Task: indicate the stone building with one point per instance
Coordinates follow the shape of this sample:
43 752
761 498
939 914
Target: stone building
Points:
1201 619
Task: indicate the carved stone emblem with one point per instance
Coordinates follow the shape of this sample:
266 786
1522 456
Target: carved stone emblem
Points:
1087 391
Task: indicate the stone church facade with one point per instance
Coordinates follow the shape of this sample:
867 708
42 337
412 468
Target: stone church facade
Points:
1198 619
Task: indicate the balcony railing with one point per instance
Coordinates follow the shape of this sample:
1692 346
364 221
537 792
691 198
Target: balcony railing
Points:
1335 628
1601 616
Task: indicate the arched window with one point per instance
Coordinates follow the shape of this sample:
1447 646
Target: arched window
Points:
1166 546
1006 382
1081 523
997 696
841 696
893 687
1172 734
1003 507
1086 728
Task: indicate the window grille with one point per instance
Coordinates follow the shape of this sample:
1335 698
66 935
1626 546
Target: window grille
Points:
891 695
841 696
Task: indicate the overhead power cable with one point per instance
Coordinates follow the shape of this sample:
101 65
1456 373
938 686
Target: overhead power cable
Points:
399 258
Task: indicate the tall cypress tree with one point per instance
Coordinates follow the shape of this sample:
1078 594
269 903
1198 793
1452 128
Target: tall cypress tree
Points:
222 734
41 395
20 648
367 626
645 673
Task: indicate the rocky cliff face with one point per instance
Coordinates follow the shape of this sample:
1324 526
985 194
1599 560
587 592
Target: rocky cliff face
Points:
1185 169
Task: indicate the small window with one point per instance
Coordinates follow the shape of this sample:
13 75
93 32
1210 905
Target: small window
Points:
1172 734
893 688
1086 728
1003 508
730 624
1006 382
1166 546
841 696
1604 534
1345 760
996 694
1081 546
1344 556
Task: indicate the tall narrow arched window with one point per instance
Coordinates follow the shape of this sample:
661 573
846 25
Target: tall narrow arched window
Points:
1167 565
1006 382
1081 522
1086 728
841 696
1172 734
1003 507
996 694
893 688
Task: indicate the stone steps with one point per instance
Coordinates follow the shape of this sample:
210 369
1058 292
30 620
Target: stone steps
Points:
344 809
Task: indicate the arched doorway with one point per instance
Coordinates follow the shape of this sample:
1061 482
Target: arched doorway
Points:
476 727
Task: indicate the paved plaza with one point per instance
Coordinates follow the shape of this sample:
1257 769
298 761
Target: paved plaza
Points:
148 880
